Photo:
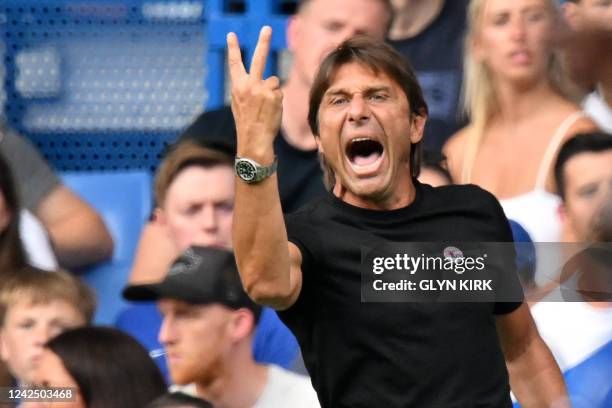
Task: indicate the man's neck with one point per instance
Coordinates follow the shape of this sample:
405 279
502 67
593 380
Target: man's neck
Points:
401 196
238 386
295 114
413 17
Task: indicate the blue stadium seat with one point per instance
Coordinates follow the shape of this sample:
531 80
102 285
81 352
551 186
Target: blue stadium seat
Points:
124 201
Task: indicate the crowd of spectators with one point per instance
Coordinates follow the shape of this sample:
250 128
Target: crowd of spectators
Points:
520 104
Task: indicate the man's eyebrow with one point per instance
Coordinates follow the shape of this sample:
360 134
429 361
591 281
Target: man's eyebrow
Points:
368 90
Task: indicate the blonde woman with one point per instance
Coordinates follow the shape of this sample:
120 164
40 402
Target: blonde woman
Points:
518 113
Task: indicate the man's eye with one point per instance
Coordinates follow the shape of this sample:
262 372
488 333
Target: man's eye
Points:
26 325
378 97
339 101
588 191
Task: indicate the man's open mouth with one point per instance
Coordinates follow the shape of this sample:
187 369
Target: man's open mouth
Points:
364 154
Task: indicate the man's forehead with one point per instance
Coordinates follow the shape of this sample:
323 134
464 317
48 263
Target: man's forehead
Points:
580 167
360 76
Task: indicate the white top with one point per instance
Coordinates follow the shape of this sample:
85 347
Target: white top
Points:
283 389
599 110
573 330
36 242
536 210
287 389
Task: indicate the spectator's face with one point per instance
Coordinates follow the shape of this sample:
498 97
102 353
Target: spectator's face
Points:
52 373
514 39
590 15
324 24
196 339
199 206
366 129
588 181
27 327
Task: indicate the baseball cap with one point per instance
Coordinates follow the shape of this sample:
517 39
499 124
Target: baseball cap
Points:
200 275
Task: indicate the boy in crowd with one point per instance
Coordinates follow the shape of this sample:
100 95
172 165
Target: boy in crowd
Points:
35 306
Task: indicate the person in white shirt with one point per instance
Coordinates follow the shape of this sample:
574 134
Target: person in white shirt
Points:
207 329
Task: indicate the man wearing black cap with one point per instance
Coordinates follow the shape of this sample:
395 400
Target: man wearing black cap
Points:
207 329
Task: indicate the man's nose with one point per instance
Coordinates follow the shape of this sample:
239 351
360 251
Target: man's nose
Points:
359 111
166 331
208 218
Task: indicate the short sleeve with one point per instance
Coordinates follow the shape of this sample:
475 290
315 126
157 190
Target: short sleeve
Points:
34 177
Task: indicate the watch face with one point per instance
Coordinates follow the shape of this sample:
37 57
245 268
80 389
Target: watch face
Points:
245 170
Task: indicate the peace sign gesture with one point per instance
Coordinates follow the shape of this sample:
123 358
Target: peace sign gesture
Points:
256 103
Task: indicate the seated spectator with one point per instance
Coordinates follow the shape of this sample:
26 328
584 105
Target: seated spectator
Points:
194 192
106 367
77 232
178 400
589 55
36 305
207 333
22 238
317 27
519 113
429 34
583 174
575 319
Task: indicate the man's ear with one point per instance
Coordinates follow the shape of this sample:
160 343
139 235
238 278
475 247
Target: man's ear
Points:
293 32
159 217
567 231
417 128
319 145
242 324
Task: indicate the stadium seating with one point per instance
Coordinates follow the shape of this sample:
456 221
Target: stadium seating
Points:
124 201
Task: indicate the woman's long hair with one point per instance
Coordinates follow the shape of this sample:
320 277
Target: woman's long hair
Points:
12 254
479 98
110 368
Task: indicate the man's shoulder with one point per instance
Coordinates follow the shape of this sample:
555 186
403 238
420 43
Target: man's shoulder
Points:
462 195
316 207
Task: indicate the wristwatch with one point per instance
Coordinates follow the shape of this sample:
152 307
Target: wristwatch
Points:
252 172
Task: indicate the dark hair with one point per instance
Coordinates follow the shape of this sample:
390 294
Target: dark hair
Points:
379 57
178 400
436 160
110 368
182 155
12 254
592 142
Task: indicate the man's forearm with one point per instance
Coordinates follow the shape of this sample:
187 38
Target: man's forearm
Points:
260 241
535 377
81 241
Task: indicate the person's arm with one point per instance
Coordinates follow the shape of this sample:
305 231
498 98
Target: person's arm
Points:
269 265
535 377
78 234
154 255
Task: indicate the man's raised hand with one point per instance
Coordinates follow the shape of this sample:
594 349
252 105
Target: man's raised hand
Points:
256 103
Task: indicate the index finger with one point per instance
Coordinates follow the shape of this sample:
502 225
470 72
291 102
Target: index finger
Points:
234 57
258 64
